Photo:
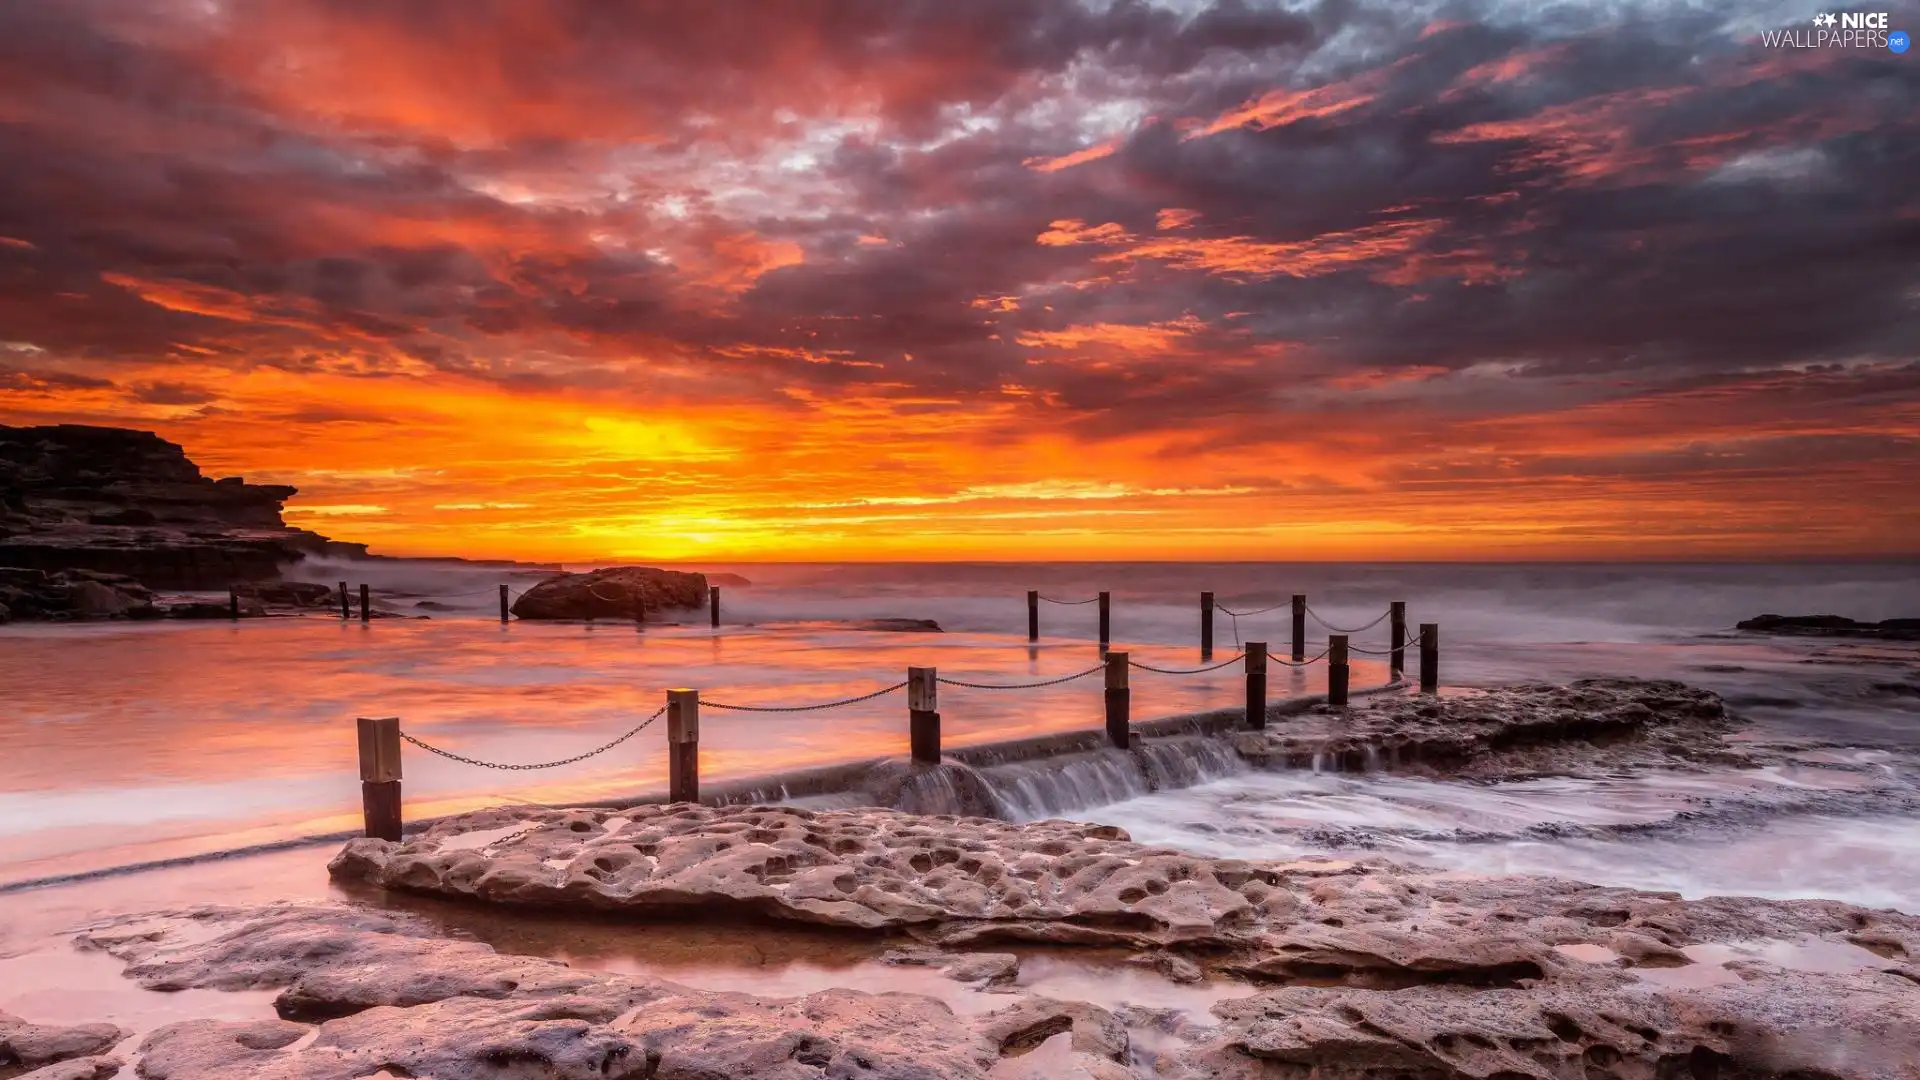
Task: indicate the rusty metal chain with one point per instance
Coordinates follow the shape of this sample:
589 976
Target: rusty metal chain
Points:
804 708
1023 686
1234 659
1345 630
465 760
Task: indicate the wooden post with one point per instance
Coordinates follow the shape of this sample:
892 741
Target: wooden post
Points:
1119 701
1206 626
1299 628
380 776
713 604
1256 684
506 610
1337 669
1033 615
923 718
346 609
1106 620
233 602
366 602
1429 658
683 746
1397 652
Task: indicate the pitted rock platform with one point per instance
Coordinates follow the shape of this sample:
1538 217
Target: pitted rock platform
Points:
1586 727
1370 972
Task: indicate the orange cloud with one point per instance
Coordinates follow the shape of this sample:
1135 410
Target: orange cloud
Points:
1246 257
1151 338
1078 157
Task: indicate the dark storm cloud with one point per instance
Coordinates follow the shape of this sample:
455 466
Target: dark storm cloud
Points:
457 187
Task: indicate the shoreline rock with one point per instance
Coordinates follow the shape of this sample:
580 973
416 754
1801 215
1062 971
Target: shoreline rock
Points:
121 501
47 1051
1525 729
1362 971
1831 626
388 993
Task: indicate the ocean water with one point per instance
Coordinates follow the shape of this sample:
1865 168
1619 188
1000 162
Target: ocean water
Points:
126 743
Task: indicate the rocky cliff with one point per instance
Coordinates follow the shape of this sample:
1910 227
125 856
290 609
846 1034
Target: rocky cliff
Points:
119 501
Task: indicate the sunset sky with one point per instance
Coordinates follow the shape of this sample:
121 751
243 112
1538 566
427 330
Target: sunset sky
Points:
872 279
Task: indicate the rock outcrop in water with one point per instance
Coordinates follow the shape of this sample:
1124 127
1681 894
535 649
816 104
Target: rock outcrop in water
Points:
1364 972
52 1052
620 592
125 502
1586 726
1832 626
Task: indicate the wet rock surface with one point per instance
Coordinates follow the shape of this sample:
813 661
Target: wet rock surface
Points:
72 594
1365 971
1583 728
1832 626
120 501
621 592
367 991
47 1051
968 881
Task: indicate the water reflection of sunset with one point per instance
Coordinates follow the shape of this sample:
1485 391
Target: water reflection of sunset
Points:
230 733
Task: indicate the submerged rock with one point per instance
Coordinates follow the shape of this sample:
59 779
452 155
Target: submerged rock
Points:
621 592
1832 626
1586 726
895 626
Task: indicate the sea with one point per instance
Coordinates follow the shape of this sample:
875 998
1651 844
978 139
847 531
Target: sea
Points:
131 748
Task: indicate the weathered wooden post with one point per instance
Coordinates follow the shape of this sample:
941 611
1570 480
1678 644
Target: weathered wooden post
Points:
1206 626
366 602
1106 620
1337 669
346 610
380 776
923 718
713 604
1429 658
1033 615
1397 654
1299 628
233 602
1256 684
683 745
1119 701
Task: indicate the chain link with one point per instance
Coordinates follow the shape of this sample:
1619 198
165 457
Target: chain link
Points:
465 760
1345 630
1070 603
1256 611
805 708
1023 686
1389 650
1234 659
1308 662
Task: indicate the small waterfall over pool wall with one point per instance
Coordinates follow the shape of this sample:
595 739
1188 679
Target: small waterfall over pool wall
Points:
1031 790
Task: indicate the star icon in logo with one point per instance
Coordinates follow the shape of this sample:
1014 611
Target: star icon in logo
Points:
1824 20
